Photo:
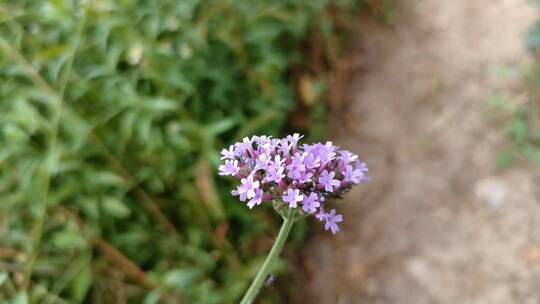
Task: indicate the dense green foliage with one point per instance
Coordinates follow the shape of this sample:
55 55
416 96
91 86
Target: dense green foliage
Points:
111 116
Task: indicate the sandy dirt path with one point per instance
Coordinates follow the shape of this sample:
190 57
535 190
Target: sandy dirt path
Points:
438 223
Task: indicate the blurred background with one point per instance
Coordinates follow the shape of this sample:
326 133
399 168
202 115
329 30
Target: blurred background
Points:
113 113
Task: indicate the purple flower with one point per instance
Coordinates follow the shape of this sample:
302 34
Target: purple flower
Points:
261 140
278 161
325 152
292 197
296 167
311 175
245 147
228 154
362 166
248 186
310 203
311 161
327 180
305 177
347 156
241 196
229 168
262 161
257 199
332 219
284 147
274 173
353 175
293 139
266 148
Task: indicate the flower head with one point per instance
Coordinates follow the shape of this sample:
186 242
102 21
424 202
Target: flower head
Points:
305 178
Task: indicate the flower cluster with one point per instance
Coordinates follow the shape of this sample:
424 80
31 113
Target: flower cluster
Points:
304 177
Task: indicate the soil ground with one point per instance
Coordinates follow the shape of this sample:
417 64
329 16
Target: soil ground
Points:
439 223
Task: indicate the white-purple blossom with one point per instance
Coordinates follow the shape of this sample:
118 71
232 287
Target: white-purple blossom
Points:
352 174
311 161
311 203
305 178
296 167
326 179
347 157
228 154
257 199
248 186
241 196
274 173
229 168
331 220
262 161
292 197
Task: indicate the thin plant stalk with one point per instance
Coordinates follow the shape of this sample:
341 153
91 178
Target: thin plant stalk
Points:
257 283
37 231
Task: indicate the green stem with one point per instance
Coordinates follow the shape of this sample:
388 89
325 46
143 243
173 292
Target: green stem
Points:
257 283
52 158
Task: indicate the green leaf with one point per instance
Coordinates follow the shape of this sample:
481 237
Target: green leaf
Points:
82 282
69 238
221 126
21 298
3 278
115 207
106 178
159 105
182 278
153 297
